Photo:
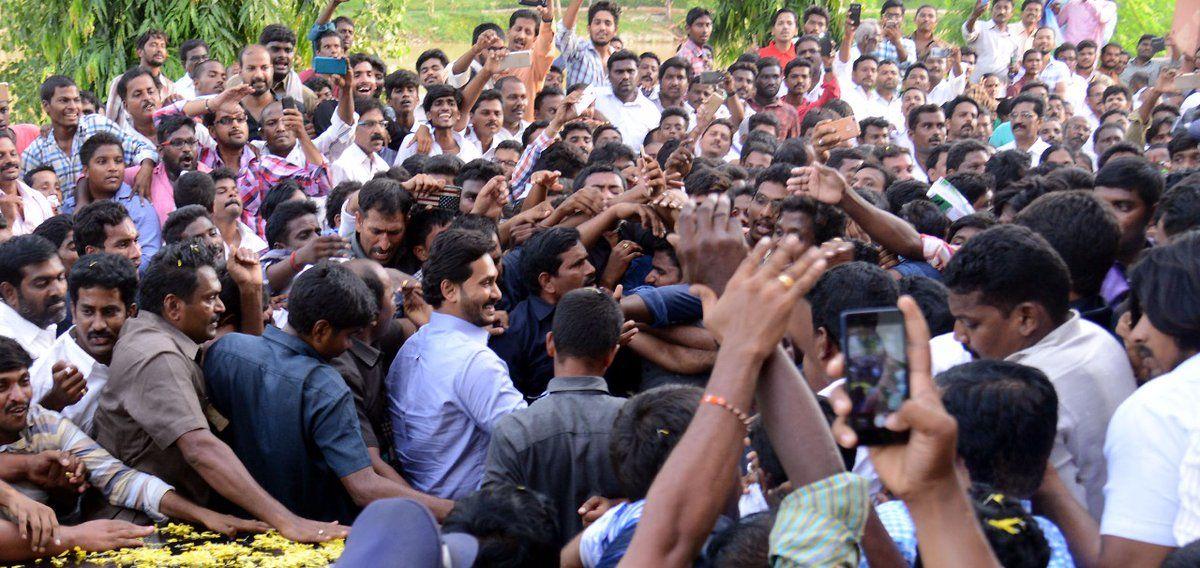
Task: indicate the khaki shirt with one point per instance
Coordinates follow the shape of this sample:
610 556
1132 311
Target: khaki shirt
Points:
155 395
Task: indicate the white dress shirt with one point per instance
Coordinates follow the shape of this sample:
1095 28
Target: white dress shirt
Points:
35 209
1035 151
356 165
36 340
633 119
185 87
506 134
994 48
485 153
250 240
949 87
467 150
65 349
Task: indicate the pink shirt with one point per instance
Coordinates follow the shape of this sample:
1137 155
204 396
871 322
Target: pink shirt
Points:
162 191
1085 19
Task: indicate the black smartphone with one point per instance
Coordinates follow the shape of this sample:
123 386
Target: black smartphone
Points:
288 103
855 13
1158 44
711 78
874 347
533 3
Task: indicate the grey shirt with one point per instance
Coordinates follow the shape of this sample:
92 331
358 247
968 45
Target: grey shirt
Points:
559 447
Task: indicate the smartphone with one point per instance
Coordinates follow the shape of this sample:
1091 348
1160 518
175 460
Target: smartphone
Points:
1188 81
586 99
532 3
1158 44
329 65
874 346
846 128
711 78
855 13
446 199
939 52
983 3
288 103
714 102
516 60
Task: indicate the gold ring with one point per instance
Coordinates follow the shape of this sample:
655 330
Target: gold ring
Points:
786 280
625 245
321 532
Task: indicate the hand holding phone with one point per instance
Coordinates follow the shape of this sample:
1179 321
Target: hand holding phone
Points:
874 345
329 65
855 14
586 100
516 60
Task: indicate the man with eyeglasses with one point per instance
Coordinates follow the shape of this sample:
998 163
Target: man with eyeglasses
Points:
178 149
361 161
1026 121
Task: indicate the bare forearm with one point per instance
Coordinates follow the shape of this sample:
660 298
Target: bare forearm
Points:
884 228
795 423
671 357
223 471
878 545
1055 501
14 468
692 336
463 63
592 230
176 507
382 468
251 298
365 487
571 13
327 13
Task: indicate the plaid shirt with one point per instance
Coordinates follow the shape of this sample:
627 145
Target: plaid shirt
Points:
582 62
523 173
268 170
122 485
887 50
698 56
45 152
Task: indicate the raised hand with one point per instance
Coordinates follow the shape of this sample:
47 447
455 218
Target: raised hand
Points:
244 268
711 244
492 198
421 185
818 182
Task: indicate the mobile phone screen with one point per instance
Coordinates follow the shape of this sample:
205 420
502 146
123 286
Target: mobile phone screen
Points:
873 344
855 13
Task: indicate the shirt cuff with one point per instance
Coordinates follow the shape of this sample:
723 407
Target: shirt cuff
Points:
821 524
670 305
154 491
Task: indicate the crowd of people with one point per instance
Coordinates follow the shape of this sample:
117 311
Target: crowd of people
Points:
553 301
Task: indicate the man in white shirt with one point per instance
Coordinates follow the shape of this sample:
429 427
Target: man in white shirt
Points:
33 285
24 207
333 141
486 129
70 377
360 161
1026 119
192 53
1009 294
625 107
441 107
887 86
994 42
152 54
515 99
1153 491
859 91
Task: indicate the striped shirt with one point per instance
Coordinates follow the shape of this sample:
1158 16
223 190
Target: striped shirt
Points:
519 183
122 485
582 62
821 523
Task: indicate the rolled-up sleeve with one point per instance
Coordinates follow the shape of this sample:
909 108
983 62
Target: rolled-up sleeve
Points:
670 305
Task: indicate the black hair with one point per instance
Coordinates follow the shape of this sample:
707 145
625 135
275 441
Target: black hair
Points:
983 394
925 217
623 55
915 113
450 258
849 286
104 270
422 222
604 6
189 45
91 219
972 186
55 229
1073 178
675 63
935 154
277 32
52 84
435 92
384 195
337 198
479 170
696 13
515 526
561 158
981 220
1008 265
777 173
1081 229
704 181
277 223
279 194
1007 167
933 299
745 544
94 143
587 324
828 222
839 156
1118 148
321 37
838 107
532 130
442 164
902 192
173 272
1179 143
1187 556
610 153
195 188
179 219
548 91
1013 533
478 223
814 117
791 152
646 429
28 178
582 176
432 54
764 119
1166 284
399 79
542 251
13 356
170 124
957 154
1133 174
331 292
1179 209
21 251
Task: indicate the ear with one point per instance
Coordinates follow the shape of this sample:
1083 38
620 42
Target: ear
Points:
9 293
450 291
544 282
550 350
132 311
172 307
823 346
420 252
1027 315
321 332
89 249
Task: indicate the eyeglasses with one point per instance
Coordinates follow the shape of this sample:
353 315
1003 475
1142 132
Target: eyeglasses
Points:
182 142
373 123
231 120
1024 115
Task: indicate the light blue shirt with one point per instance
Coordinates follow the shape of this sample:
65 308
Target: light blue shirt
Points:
446 392
142 213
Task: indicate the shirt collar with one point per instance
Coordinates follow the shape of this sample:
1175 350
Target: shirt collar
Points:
21 326
276 335
577 384
77 355
185 344
541 308
364 351
1053 340
439 321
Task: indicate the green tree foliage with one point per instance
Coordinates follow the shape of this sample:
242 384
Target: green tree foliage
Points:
93 41
747 24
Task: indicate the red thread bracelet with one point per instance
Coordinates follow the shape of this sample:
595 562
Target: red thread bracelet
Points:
721 402
292 262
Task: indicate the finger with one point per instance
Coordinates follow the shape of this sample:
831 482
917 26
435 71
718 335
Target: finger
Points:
919 376
781 257
806 271
836 366
23 525
704 214
708 298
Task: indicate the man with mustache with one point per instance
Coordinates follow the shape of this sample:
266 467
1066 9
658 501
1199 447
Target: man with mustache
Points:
192 52
218 191
486 130
154 414
22 206
961 113
446 389
209 77
381 219
360 161
626 107
275 76
442 107
152 55
926 129
553 262
33 285
516 107
104 173
102 289
1026 121
178 147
